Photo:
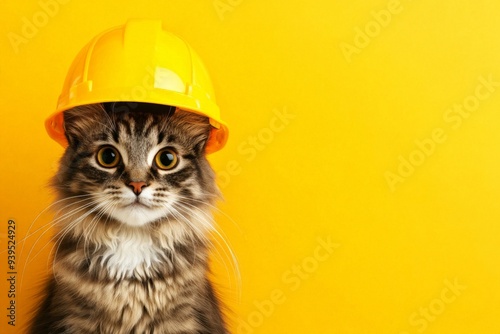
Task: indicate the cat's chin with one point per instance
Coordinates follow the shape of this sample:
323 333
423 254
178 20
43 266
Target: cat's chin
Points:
137 214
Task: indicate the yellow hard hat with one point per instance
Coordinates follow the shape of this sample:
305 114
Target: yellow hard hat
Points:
139 62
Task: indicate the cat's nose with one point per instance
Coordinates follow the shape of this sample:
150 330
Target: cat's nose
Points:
137 186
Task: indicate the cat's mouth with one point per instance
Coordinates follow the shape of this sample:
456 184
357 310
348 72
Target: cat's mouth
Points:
136 213
137 203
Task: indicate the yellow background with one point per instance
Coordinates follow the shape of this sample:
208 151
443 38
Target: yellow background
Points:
354 117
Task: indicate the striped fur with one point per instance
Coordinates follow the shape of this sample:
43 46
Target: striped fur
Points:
128 263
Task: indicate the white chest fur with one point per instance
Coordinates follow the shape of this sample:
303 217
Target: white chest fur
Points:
132 254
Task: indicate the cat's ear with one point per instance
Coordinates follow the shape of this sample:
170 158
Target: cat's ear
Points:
80 121
199 134
199 148
196 128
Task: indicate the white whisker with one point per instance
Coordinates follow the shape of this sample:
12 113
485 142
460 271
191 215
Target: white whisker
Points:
28 235
224 246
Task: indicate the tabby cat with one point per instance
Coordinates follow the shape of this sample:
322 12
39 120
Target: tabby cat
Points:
134 195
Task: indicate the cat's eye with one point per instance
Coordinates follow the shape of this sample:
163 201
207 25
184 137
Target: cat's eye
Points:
108 157
166 159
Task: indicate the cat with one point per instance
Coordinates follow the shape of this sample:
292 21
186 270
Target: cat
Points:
134 193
